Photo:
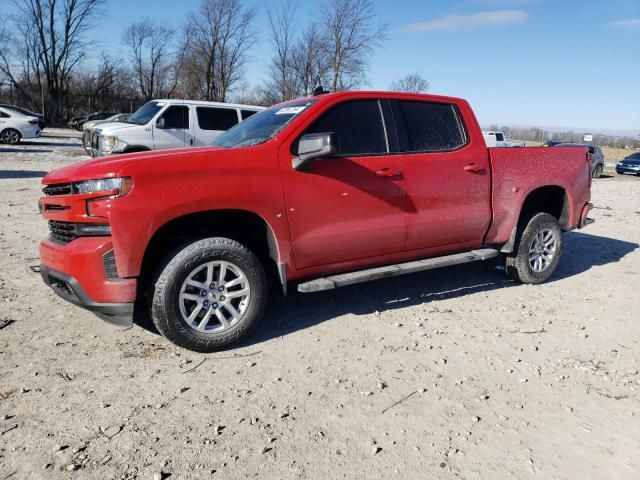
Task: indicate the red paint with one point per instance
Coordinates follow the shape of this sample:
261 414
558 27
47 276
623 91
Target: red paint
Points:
346 213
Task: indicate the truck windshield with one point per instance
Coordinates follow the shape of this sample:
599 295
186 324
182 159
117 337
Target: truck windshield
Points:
262 126
145 113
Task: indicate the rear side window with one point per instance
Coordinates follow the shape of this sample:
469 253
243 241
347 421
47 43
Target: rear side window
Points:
432 127
499 137
216 118
4 115
247 113
176 117
358 125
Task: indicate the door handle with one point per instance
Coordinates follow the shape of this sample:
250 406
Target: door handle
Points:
472 167
388 172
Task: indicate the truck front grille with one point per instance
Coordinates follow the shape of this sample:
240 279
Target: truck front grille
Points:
58 189
63 231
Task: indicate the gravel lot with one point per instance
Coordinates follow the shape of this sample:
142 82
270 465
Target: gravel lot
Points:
457 373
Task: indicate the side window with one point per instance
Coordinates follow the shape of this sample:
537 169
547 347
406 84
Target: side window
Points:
176 117
358 125
216 118
432 127
4 115
499 137
247 113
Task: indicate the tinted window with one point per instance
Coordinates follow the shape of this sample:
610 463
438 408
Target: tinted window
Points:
176 117
216 118
499 137
592 150
432 127
4 115
357 124
247 113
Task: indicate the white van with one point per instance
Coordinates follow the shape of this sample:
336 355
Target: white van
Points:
162 124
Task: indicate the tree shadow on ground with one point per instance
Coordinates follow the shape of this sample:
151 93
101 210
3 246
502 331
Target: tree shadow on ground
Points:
4 174
52 144
22 150
299 311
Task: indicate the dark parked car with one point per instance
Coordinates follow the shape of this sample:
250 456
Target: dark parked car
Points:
90 117
630 164
597 157
26 112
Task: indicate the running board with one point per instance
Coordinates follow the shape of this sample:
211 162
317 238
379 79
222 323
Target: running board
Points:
344 279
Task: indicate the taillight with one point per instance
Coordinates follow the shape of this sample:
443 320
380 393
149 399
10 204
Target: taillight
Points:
34 122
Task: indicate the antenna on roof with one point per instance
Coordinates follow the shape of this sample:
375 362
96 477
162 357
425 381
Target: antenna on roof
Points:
320 90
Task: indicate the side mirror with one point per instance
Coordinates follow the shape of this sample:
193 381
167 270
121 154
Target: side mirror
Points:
160 123
312 146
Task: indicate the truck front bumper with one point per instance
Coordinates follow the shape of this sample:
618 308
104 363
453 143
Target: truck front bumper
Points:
76 272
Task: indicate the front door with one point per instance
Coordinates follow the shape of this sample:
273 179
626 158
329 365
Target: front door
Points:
352 205
173 128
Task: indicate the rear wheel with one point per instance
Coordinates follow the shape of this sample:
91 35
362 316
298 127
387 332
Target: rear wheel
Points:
597 172
538 250
209 295
10 136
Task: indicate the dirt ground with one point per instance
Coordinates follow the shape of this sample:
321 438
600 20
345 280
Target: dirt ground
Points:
456 373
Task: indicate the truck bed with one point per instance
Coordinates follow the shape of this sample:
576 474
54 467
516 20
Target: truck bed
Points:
516 172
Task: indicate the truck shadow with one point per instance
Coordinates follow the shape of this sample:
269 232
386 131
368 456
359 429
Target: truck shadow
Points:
299 311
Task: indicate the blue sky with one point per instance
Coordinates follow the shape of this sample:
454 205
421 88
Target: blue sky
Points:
550 63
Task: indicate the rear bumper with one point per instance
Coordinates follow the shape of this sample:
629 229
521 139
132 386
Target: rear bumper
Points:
32 131
76 272
68 288
584 216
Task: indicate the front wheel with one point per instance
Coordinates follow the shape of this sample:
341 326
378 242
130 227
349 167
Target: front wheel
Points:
10 136
209 295
538 250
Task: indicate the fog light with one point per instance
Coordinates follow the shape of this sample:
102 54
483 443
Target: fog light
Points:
93 229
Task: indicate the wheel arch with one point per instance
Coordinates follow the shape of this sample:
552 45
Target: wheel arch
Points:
551 199
244 226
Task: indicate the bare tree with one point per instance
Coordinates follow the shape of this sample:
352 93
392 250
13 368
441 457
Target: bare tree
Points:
282 37
352 37
310 61
150 45
217 39
412 83
49 44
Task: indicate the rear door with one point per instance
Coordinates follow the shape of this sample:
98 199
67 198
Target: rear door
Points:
212 122
172 128
352 205
447 177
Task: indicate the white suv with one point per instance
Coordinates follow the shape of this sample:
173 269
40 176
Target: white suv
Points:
15 126
162 124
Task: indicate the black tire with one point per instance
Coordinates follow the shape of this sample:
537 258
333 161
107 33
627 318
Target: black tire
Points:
165 308
10 136
597 172
518 265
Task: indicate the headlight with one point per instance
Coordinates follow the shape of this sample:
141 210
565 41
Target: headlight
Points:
107 144
116 186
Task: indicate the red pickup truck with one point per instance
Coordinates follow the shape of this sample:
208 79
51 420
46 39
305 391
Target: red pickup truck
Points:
320 192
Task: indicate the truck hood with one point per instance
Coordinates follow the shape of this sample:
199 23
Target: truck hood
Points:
112 128
107 167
